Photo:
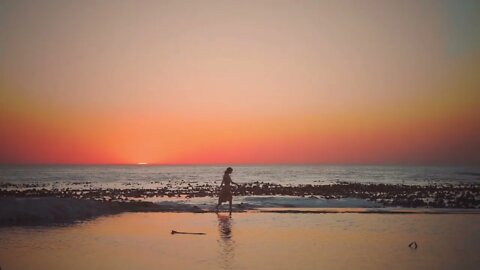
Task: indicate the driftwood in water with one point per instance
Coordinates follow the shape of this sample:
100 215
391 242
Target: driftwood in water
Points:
195 233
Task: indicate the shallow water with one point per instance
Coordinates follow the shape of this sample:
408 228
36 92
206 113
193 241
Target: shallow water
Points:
248 241
269 201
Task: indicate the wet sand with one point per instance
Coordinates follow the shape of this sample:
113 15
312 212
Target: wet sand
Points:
251 240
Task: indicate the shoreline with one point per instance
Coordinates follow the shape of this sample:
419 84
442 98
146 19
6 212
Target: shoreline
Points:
387 195
32 211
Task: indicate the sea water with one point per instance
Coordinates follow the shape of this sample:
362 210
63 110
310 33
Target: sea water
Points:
150 176
147 176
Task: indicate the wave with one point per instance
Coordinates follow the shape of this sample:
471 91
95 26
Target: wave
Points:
50 210
307 202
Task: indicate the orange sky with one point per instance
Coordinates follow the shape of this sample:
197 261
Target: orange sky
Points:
170 82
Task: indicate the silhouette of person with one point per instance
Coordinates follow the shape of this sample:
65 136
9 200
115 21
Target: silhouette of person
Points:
225 190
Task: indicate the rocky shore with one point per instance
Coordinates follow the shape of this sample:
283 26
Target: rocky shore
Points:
409 196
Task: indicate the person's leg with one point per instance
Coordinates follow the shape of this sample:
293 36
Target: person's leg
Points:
218 205
230 206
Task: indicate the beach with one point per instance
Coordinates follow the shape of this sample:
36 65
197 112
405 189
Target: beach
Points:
249 240
304 217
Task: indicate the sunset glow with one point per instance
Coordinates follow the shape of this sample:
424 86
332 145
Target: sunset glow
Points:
202 82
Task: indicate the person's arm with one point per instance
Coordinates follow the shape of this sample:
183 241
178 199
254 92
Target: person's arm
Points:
223 180
235 183
231 181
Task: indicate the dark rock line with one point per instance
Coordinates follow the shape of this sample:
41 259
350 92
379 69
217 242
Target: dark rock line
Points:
411 196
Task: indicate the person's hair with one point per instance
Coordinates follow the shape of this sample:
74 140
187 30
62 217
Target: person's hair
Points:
229 169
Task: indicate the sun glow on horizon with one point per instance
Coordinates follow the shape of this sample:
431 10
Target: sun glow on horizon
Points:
248 82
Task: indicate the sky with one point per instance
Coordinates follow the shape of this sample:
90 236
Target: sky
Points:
240 82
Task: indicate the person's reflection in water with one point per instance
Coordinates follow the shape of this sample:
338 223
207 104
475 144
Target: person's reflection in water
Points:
226 243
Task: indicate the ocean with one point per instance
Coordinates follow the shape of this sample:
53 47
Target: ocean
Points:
151 176
198 185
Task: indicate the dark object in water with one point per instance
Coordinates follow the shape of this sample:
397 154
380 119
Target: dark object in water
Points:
413 245
195 233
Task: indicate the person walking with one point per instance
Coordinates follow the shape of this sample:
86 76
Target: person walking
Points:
225 189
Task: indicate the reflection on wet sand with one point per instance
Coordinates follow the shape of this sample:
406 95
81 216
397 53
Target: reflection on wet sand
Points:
267 241
226 243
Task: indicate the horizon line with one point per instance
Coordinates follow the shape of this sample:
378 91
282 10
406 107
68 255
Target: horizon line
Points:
146 164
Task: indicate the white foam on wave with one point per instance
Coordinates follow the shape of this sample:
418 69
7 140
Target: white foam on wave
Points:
275 201
307 202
